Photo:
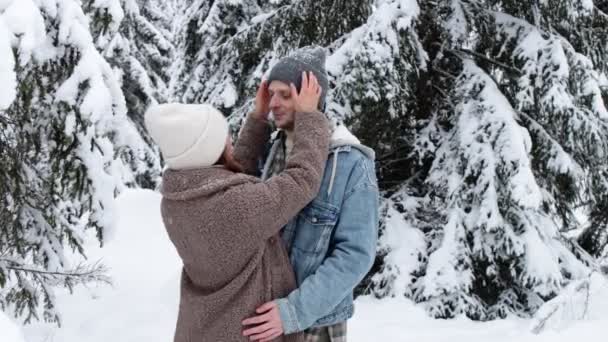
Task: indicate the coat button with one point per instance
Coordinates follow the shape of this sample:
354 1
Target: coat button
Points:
314 220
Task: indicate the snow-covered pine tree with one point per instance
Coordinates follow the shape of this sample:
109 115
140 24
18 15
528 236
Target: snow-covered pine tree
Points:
488 118
375 69
135 37
577 117
64 136
516 137
594 238
226 46
205 70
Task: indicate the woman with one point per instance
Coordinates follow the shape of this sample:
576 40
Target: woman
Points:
224 223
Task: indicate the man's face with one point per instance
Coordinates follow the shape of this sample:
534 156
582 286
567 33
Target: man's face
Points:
282 104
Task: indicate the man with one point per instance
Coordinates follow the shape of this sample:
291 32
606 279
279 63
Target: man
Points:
222 221
332 241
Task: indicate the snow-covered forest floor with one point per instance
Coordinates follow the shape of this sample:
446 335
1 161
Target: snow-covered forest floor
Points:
141 305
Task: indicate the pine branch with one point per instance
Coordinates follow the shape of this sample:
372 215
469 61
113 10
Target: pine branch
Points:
583 204
445 73
81 273
388 162
390 183
442 92
406 183
445 95
534 125
33 286
600 12
458 53
5 120
279 10
49 273
541 324
581 254
391 153
491 60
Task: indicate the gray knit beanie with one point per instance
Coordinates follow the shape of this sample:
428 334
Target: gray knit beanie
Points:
289 69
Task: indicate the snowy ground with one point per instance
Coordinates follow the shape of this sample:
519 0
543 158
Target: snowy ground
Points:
142 304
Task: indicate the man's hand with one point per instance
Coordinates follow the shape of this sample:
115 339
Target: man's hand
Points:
268 325
310 93
262 102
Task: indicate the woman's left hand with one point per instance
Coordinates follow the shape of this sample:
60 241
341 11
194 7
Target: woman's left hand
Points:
268 323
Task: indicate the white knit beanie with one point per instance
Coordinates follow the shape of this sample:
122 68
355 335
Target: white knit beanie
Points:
189 135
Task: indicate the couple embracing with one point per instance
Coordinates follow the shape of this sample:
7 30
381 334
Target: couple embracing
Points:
275 232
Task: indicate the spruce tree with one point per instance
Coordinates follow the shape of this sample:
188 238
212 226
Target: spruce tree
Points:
226 46
135 38
514 141
488 118
66 149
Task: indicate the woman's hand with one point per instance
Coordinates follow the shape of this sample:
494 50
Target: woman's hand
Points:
268 325
262 102
308 99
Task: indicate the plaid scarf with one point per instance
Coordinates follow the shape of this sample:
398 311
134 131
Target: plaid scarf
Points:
277 157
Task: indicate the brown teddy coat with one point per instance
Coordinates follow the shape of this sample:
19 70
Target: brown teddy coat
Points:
224 226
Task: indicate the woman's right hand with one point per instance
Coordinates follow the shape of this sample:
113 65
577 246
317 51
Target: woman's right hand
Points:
310 93
262 102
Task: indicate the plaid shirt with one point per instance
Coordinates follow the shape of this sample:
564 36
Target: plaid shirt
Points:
332 333
277 156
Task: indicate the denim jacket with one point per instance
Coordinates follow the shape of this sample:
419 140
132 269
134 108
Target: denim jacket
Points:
332 241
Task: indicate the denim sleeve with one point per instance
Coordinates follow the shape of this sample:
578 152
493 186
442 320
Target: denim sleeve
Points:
349 261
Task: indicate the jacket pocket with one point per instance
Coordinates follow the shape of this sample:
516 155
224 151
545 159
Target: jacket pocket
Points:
315 224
